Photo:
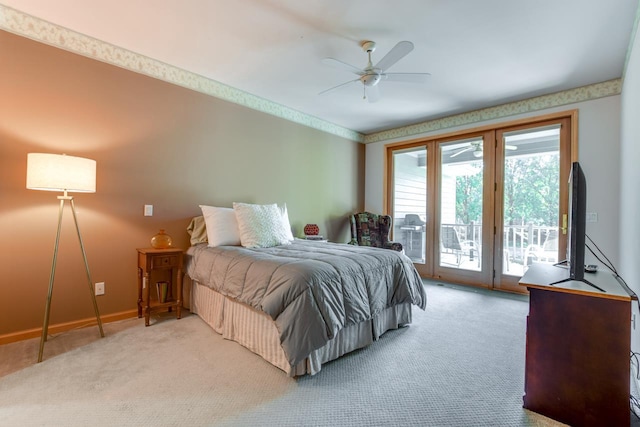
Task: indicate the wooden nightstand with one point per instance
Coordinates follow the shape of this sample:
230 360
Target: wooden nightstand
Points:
150 260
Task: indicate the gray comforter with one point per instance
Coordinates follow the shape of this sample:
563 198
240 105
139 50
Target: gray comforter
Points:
311 290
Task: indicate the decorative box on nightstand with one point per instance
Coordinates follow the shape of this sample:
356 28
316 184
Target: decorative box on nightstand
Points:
312 239
152 260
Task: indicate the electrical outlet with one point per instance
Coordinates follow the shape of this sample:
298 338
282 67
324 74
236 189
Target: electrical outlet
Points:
592 217
99 288
148 210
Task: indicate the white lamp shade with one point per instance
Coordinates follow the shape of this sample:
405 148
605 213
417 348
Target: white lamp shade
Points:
59 172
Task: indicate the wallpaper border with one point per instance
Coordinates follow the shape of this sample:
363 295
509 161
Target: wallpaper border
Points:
571 96
25 25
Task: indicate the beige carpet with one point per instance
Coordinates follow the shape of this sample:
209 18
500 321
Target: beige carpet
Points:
460 363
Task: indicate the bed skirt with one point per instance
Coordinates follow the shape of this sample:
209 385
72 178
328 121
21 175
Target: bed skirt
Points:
257 332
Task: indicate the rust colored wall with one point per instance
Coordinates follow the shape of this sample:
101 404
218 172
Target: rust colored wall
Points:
154 143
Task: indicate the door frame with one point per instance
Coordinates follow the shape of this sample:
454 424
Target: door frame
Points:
487 278
457 275
510 282
426 269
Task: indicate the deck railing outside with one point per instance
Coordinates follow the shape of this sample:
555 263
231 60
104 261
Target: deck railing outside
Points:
521 242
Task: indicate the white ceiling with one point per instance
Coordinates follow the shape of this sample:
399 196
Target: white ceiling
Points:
479 53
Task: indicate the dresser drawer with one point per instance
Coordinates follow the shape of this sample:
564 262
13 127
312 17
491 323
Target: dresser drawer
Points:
164 261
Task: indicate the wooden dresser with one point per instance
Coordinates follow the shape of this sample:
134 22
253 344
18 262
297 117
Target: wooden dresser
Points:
578 348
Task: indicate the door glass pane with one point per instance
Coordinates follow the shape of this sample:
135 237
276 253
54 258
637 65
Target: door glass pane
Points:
461 204
410 201
531 198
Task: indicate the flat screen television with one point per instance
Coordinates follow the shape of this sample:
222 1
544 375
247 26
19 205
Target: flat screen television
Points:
576 241
577 222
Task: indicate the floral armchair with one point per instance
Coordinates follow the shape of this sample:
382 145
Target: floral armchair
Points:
369 229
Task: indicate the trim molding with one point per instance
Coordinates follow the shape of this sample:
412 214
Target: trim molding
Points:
63 327
632 38
25 25
571 96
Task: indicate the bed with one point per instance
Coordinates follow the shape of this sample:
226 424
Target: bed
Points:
301 304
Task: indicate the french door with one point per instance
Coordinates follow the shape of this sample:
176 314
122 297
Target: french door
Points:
480 207
465 197
410 203
531 198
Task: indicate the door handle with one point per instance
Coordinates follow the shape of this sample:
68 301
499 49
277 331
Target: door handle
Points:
564 224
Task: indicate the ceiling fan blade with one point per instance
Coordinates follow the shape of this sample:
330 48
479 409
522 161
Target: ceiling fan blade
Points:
398 52
326 91
407 77
332 62
469 148
372 93
510 147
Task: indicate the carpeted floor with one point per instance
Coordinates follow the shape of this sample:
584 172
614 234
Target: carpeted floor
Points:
461 363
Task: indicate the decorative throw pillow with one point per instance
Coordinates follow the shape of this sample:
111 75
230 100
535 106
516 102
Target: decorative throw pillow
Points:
222 226
285 222
197 230
261 226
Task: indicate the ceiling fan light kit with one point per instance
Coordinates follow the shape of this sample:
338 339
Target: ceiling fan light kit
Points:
371 75
370 79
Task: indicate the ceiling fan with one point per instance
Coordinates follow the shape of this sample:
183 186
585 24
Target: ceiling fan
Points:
476 147
371 75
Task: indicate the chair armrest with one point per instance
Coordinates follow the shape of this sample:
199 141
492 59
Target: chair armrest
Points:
394 245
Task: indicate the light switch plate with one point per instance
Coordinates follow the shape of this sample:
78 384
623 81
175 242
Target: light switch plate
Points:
99 287
148 210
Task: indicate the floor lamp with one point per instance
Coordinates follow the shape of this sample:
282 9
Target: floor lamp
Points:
59 172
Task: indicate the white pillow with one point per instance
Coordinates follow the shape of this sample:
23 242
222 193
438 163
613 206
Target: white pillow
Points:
222 226
261 226
285 222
